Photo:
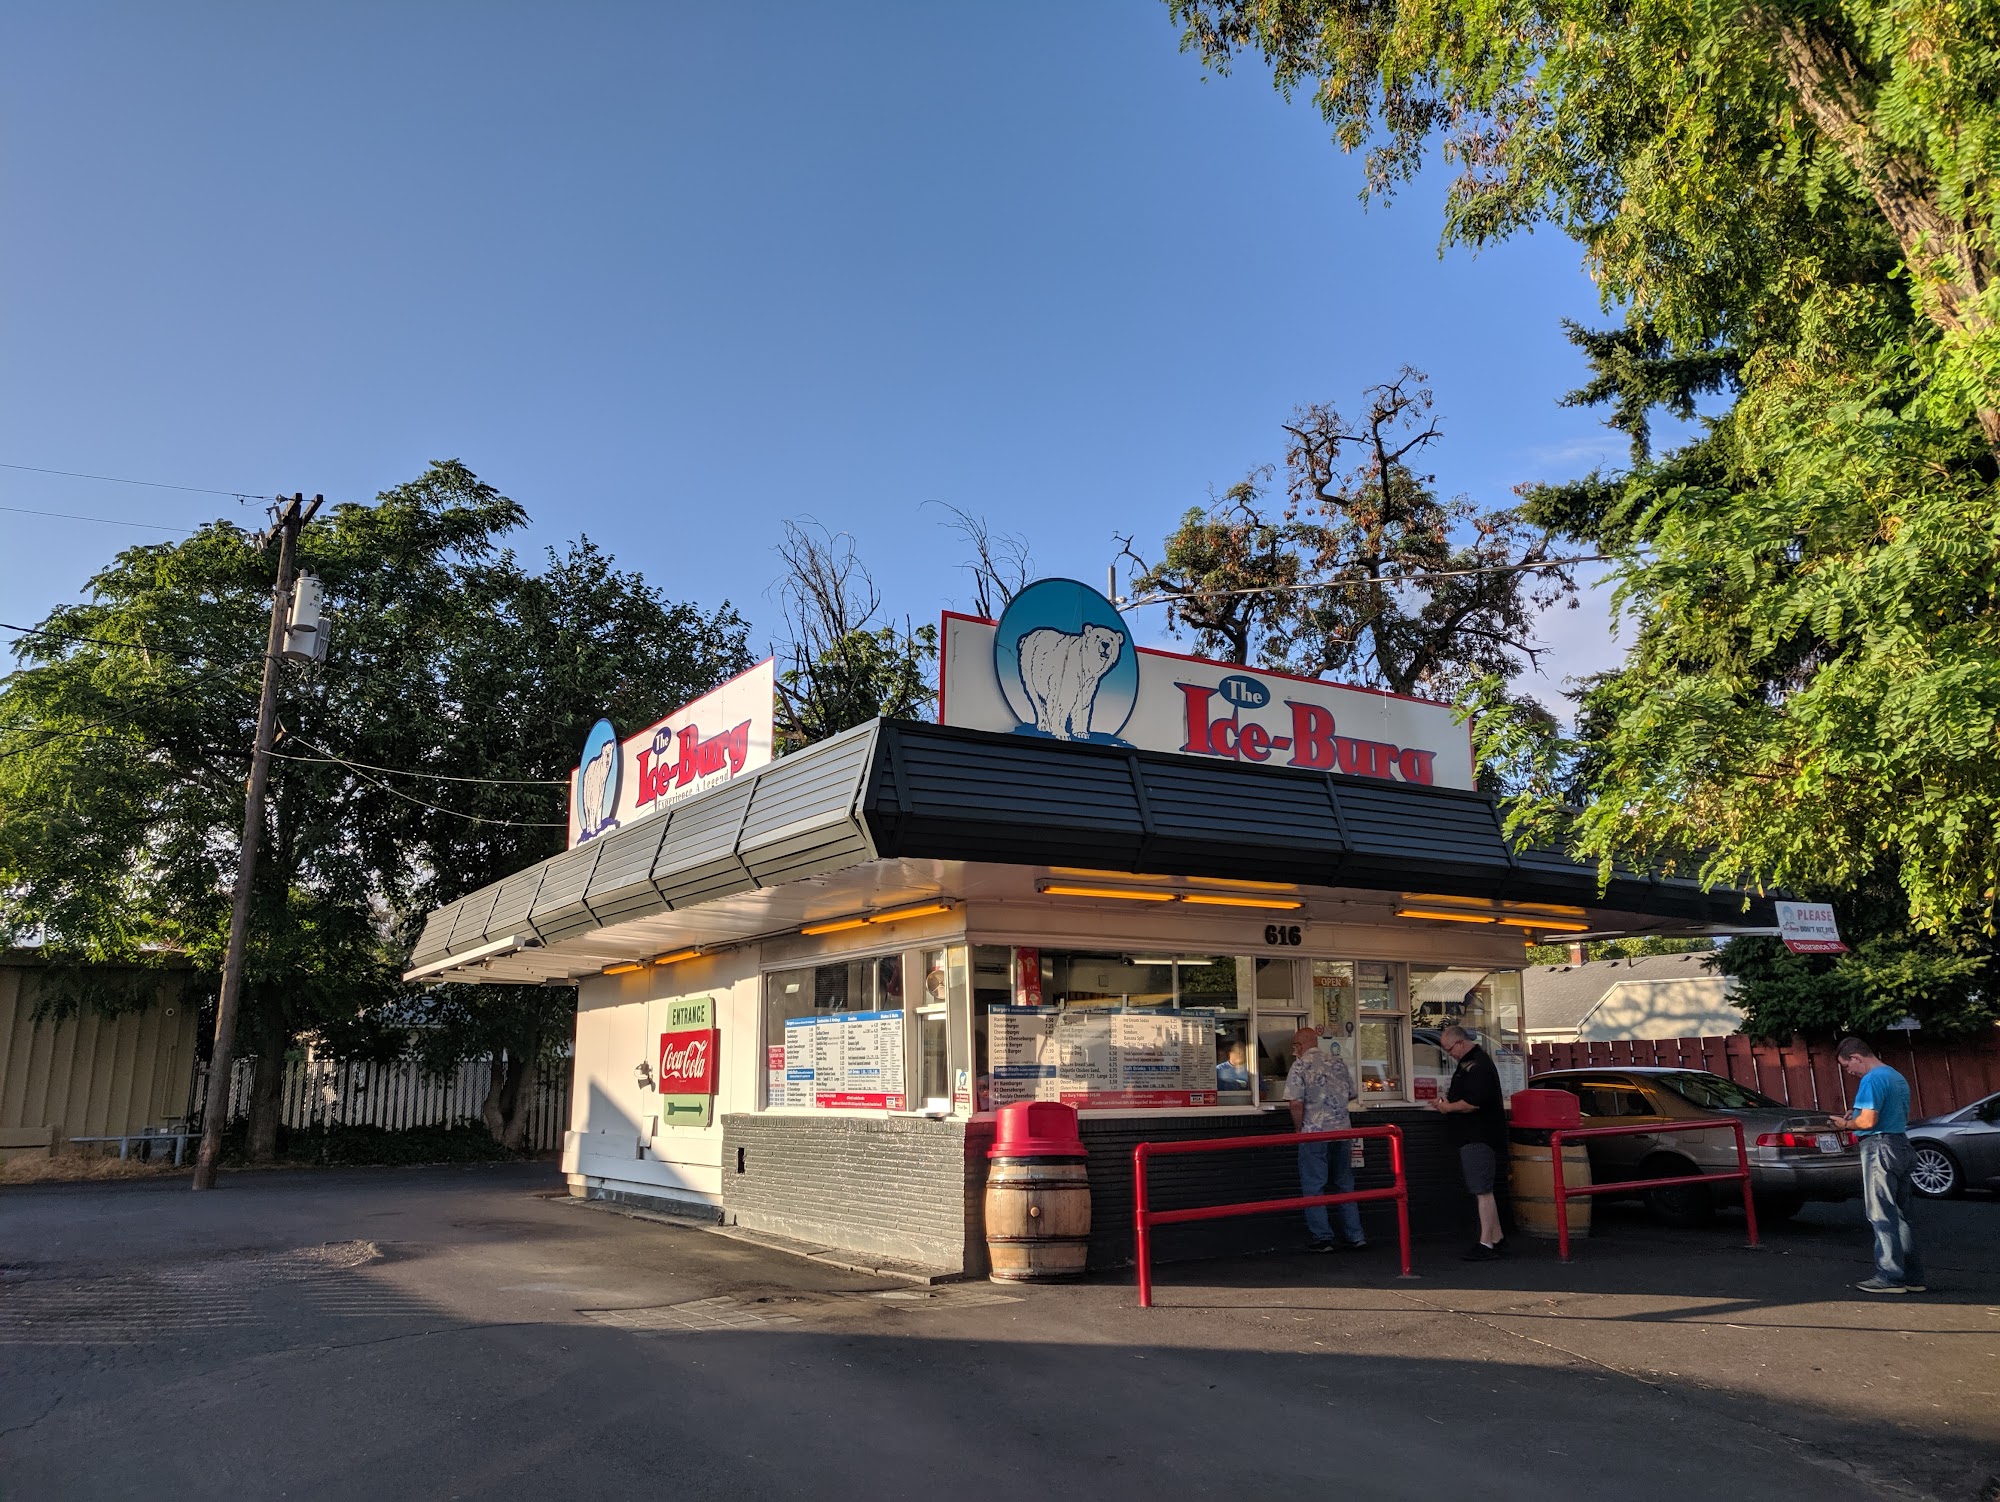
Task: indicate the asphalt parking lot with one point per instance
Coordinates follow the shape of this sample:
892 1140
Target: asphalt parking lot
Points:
468 1332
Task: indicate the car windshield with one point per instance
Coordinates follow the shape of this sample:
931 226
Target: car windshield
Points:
1712 1092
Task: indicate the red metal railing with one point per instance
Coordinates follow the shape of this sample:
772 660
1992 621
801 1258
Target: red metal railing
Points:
1145 1218
1565 1194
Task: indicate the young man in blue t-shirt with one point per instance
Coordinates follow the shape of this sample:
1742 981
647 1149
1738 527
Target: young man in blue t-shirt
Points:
1881 1115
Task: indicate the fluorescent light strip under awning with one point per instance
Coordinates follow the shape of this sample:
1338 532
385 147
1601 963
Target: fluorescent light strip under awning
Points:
1141 894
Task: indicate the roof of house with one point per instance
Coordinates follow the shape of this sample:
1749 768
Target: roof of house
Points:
1557 998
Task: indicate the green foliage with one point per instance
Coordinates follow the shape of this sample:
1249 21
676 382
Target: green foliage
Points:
1797 201
1367 574
839 665
861 675
125 737
1618 949
1886 977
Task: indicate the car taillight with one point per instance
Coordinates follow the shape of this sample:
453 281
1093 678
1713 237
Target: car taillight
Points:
1803 1141
1786 1139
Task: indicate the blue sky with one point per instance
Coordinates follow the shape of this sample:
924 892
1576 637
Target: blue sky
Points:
669 274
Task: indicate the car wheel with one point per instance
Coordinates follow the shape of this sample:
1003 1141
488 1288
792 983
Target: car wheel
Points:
1935 1172
1683 1206
1777 1207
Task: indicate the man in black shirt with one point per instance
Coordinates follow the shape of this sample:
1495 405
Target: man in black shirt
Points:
1478 1130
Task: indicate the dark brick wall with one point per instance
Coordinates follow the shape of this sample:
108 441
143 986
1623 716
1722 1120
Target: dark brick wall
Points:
900 1187
1438 1202
913 1190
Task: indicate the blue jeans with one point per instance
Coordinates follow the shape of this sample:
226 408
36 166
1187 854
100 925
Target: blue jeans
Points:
1885 1199
1313 1172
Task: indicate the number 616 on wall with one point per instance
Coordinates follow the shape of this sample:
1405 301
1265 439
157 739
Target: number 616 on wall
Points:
1282 933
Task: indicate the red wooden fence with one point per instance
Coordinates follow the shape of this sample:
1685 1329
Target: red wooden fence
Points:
1942 1076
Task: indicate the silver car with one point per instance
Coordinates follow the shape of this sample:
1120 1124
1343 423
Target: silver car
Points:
1796 1155
1957 1151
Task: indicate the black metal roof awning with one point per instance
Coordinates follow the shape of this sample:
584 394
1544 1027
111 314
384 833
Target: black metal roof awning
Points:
896 790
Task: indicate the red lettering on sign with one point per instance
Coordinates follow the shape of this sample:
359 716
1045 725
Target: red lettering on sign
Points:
1312 736
1416 765
694 758
1196 697
687 1062
1364 758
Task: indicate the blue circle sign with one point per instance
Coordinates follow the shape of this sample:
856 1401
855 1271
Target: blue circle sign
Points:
598 774
1066 663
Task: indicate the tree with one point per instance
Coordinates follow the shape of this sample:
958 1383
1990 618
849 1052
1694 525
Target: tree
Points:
1366 574
542 656
839 665
1794 204
1000 565
125 732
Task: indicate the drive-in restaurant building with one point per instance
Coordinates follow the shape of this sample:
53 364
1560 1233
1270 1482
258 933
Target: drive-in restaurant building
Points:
1113 877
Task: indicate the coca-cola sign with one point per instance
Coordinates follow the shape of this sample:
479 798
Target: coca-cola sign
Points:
690 1049
687 1063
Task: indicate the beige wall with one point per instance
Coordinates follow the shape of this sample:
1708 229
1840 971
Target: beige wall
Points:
91 1075
1693 1007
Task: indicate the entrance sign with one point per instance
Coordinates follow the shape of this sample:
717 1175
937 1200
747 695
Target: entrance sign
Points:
1060 664
1809 928
716 738
689 1050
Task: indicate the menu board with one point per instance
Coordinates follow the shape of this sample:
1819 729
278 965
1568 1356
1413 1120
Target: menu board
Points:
1101 1057
846 1059
1021 1051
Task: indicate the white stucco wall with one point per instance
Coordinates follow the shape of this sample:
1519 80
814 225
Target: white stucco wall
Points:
616 1139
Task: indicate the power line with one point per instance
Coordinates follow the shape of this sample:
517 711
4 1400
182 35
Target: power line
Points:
108 641
109 521
440 809
326 755
239 496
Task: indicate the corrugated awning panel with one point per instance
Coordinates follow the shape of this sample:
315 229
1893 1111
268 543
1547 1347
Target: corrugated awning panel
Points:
560 911
621 883
511 907
699 858
804 818
435 942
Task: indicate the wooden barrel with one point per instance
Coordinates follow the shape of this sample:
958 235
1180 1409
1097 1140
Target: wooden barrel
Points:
1533 1184
1037 1219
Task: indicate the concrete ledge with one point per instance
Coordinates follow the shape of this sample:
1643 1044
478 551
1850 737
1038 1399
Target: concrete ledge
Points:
698 1212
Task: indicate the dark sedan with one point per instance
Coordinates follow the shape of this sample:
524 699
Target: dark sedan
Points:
1795 1154
1957 1151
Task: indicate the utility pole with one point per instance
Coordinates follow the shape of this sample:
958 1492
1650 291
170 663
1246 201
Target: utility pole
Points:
215 1113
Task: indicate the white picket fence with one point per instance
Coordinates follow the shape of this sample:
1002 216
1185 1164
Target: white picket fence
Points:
321 1093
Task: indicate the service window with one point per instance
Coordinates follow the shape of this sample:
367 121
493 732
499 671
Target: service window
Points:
834 1035
933 1033
1380 1025
1104 1030
1486 1003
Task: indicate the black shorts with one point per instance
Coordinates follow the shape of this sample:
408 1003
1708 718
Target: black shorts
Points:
1478 1162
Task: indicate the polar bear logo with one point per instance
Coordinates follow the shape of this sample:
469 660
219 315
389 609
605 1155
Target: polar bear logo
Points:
600 792
1061 671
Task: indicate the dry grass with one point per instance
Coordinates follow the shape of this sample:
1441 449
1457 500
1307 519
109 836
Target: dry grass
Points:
69 1168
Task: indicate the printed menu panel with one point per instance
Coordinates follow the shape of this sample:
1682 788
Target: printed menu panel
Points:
1101 1057
1021 1052
846 1059
871 1062
798 1061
